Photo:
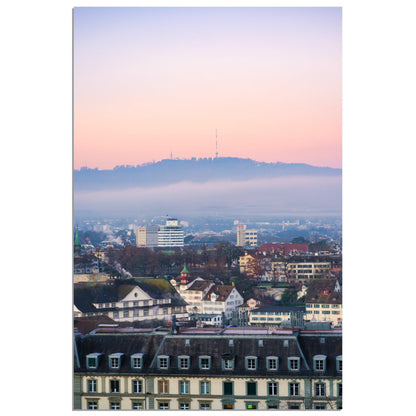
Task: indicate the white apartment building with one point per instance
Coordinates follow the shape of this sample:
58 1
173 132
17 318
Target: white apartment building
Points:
245 237
171 234
168 235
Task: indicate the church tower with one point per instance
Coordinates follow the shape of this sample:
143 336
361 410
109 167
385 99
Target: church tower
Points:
77 245
184 275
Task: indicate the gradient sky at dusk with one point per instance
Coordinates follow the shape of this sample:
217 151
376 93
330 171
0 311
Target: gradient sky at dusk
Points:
151 81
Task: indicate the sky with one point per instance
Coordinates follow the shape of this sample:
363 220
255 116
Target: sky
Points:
155 83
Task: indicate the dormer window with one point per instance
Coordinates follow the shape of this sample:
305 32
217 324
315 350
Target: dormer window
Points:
339 363
114 360
163 362
204 362
92 360
136 360
319 362
183 362
228 362
272 363
294 363
251 363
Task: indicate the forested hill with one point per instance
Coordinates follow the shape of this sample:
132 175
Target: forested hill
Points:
170 171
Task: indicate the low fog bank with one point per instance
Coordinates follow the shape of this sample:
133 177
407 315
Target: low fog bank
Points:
297 195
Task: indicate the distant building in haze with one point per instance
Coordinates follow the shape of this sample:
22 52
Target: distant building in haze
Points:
168 235
245 237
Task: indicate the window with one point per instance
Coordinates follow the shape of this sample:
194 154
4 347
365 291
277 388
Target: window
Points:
204 363
114 360
115 314
163 387
125 314
339 387
115 405
319 406
114 386
272 388
183 362
137 386
319 362
319 389
163 362
137 360
251 363
184 387
231 342
204 387
294 406
145 312
228 364
293 363
92 360
205 406
293 389
137 405
251 406
339 363
272 406
184 406
260 343
251 388
163 405
92 386
272 363
93 405
228 388
228 406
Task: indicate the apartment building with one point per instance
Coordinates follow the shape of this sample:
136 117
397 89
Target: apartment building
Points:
324 301
137 299
246 237
208 369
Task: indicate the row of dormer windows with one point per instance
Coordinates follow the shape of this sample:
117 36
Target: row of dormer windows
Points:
205 362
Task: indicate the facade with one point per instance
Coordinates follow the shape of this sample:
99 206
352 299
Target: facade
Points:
136 300
245 237
324 301
171 234
208 369
273 315
194 294
147 236
304 271
222 299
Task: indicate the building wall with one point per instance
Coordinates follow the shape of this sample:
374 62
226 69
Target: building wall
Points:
151 395
324 312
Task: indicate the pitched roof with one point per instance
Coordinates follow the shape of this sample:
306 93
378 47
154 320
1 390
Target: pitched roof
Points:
323 291
221 291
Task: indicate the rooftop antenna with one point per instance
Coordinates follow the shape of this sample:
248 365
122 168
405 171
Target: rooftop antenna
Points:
216 145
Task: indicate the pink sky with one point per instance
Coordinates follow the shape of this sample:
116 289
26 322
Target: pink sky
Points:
148 82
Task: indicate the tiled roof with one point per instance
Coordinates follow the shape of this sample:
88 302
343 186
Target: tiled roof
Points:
323 291
222 292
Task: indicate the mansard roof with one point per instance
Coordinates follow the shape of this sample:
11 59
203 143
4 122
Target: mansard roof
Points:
237 346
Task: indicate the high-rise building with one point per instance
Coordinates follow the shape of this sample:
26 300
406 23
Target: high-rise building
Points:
245 237
147 236
171 234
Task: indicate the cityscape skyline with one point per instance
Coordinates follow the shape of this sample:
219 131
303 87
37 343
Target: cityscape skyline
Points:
263 83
